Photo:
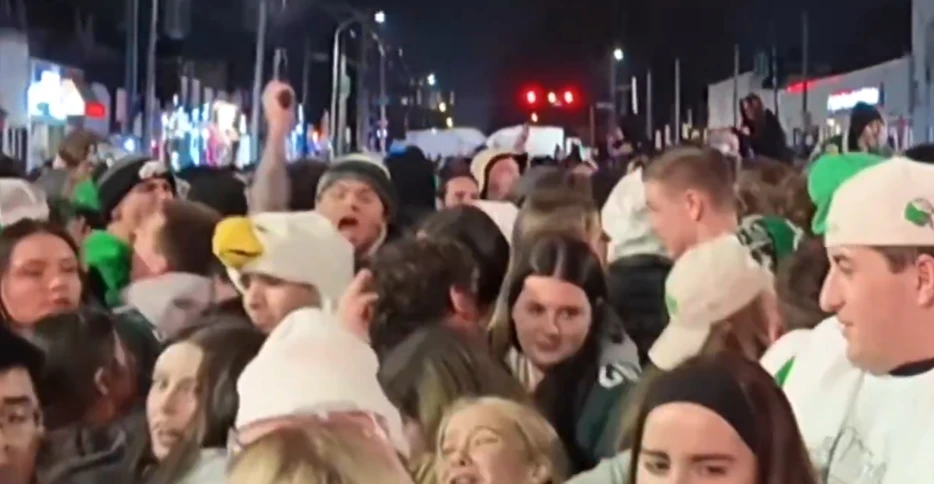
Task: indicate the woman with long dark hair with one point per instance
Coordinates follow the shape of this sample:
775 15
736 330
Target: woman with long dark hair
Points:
580 363
718 415
193 403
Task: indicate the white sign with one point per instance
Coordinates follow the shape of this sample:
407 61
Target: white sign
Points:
54 97
842 101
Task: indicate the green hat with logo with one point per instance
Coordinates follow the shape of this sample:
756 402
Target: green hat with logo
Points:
827 174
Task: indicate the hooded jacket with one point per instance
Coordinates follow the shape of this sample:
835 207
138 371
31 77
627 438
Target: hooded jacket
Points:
85 455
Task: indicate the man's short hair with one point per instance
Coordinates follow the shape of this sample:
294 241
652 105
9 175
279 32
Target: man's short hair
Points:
186 236
414 277
702 169
900 258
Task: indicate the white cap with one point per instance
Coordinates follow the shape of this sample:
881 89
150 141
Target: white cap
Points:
19 200
708 284
481 163
889 204
311 364
298 247
503 214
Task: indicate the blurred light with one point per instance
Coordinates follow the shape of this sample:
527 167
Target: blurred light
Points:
95 110
129 145
568 97
552 98
380 17
534 117
432 80
531 97
449 122
443 108
618 54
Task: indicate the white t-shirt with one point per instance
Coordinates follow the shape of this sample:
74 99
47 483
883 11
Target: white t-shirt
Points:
860 428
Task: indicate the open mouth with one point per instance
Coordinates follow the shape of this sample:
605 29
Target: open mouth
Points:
464 479
347 223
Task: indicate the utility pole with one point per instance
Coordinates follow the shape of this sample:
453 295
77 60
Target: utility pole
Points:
649 125
677 100
363 97
150 100
805 60
131 67
612 86
736 68
258 81
383 134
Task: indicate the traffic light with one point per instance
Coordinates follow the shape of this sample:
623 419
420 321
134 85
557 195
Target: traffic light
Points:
568 97
531 97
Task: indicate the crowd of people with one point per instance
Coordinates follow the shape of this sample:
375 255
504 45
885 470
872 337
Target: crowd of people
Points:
689 316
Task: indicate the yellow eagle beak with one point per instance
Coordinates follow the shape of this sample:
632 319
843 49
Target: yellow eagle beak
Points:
235 242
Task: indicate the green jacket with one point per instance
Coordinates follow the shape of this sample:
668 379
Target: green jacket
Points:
599 425
110 257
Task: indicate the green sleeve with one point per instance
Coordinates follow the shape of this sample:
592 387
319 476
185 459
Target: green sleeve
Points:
110 257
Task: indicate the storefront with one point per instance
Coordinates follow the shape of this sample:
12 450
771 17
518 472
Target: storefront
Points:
57 100
830 100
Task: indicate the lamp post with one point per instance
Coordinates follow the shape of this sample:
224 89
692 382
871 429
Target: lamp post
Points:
617 57
355 18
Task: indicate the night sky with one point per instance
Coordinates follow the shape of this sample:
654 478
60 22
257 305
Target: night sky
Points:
488 50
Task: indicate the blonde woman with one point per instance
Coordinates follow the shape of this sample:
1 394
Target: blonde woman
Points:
334 450
497 441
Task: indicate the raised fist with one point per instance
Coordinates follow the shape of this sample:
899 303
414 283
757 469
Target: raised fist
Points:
279 105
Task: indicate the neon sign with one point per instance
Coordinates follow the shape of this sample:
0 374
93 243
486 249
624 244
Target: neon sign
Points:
847 99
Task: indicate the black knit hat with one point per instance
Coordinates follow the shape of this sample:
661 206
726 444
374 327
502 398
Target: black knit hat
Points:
861 116
125 174
16 352
367 169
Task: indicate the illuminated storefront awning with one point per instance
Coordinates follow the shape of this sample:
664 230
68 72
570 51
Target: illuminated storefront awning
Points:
846 100
53 98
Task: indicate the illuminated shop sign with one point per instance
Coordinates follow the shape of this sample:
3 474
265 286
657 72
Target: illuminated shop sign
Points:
54 97
845 100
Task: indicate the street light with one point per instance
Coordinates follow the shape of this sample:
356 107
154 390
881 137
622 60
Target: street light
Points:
363 19
432 80
449 122
618 56
443 107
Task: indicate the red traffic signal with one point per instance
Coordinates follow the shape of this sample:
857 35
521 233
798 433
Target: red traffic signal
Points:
569 97
531 97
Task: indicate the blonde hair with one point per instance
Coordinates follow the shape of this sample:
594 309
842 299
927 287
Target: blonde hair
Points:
539 440
321 454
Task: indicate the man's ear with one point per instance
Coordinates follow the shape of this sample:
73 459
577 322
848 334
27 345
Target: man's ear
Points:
102 382
540 472
925 268
463 303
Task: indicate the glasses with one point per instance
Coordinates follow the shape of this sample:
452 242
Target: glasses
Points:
20 422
